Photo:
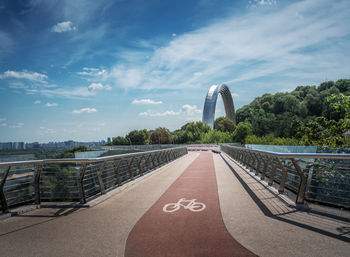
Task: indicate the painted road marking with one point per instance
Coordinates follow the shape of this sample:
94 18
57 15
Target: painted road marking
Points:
191 205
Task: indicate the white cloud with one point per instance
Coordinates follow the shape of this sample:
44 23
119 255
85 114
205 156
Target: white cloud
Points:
99 86
37 102
125 77
32 76
51 104
256 3
92 72
159 114
173 35
63 27
87 110
96 86
2 119
18 125
190 111
261 43
77 92
145 101
234 95
17 85
3 124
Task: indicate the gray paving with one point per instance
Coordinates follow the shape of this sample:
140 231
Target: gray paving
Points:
254 216
267 226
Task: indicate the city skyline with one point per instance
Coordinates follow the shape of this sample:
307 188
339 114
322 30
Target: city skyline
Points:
72 70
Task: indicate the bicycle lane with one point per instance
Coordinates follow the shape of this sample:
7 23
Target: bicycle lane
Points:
185 232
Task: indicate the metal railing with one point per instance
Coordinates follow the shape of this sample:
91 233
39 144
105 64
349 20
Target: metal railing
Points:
316 177
75 179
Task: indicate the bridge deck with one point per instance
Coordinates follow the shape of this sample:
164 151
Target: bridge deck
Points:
246 217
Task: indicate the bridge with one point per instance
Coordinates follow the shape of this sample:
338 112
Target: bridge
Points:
230 201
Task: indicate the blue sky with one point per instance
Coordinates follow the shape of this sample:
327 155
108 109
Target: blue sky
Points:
87 70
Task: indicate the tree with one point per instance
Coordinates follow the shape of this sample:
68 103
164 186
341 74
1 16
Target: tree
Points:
224 124
242 131
138 137
194 131
338 107
120 141
217 137
160 136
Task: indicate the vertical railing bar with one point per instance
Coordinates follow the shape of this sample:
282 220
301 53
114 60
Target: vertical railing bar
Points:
4 205
303 182
272 173
116 171
283 177
265 160
139 166
99 178
131 175
37 183
147 162
81 176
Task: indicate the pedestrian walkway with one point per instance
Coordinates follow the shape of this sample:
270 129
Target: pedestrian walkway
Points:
202 204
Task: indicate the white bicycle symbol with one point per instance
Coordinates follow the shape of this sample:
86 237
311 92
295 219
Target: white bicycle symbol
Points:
191 205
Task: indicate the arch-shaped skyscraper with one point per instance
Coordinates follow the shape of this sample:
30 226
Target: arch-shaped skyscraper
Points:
210 104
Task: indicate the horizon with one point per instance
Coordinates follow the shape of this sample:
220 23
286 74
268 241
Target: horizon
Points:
71 70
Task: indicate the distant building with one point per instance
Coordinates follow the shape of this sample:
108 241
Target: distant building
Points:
109 140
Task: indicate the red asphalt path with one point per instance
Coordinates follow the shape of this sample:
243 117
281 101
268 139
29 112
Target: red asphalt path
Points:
184 232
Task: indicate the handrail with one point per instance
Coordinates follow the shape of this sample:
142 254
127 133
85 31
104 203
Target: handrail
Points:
89 176
297 155
315 175
83 160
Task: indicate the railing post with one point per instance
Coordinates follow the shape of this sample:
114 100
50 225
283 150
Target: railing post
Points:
147 162
99 178
153 160
139 166
116 171
131 174
2 194
81 183
303 182
37 183
283 177
272 173
263 174
158 162
259 164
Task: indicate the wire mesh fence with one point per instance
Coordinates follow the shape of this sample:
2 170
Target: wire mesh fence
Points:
316 177
75 179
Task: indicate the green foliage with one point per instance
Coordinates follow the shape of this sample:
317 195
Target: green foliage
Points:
138 137
243 129
160 136
321 131
120 141
270 140
194 131
224 124
217 137
338 107
70 152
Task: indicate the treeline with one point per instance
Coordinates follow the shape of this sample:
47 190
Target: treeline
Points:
309 115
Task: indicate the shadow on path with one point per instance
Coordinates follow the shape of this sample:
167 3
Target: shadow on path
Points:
294 216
